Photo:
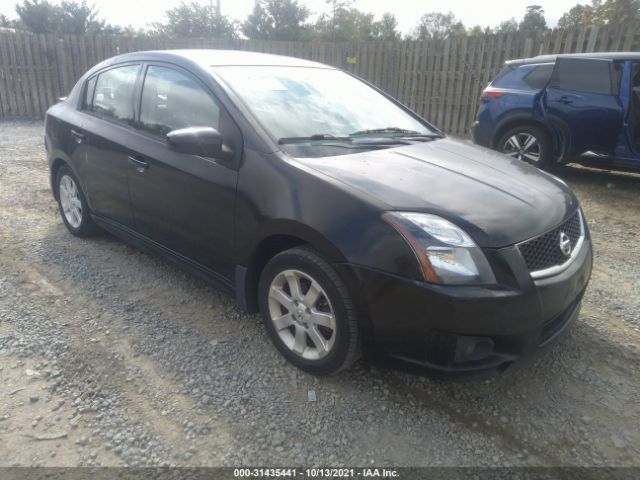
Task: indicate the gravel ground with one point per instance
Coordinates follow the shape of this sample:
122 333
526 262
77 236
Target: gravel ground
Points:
109 356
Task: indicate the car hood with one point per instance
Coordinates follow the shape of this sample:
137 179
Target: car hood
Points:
498 200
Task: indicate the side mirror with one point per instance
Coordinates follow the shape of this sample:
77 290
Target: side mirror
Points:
202 141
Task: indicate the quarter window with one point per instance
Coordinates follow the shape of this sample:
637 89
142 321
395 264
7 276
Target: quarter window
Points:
538 78
173 100
525 77
113 93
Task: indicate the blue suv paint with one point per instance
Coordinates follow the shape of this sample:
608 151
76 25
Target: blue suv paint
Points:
555 109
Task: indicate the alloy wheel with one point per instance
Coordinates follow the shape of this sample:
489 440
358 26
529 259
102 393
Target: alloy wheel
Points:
523 146
70 201
302 314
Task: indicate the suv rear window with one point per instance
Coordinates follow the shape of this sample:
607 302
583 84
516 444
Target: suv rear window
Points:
524 77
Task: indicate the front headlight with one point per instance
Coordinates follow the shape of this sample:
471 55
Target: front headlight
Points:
447 255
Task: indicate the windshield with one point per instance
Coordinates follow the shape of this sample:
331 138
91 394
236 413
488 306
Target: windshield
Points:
317 104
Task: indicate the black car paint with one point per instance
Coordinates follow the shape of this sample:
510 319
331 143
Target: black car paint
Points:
224 218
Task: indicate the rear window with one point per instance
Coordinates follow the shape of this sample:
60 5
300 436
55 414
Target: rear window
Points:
113 93
524 77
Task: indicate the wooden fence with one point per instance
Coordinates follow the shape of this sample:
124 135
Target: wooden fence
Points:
441 80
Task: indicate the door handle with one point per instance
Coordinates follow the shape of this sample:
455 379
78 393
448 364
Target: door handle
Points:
140 165
77 136
564 99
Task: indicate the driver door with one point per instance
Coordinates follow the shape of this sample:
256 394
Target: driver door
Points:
183 202
581 100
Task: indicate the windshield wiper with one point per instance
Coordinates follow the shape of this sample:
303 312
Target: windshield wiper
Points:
396 131
318 137
376 136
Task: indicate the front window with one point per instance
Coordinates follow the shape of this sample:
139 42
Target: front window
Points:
173 100
318 104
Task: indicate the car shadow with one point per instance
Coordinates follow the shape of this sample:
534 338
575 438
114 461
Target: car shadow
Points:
595 177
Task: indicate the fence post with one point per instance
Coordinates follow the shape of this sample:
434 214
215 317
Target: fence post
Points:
61 64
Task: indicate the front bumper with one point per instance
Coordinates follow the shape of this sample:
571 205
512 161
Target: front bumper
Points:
463 329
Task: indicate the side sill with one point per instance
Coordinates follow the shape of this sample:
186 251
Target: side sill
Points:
146 244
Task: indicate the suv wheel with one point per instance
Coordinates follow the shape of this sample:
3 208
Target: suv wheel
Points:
527 143
308 313
73 205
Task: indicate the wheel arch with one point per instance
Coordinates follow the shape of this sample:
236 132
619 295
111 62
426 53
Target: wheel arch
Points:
279 236
525 120
56 165
247 275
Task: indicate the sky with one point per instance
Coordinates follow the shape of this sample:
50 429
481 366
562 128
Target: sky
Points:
140 13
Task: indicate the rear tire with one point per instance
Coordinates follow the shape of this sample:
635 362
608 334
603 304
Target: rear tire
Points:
529 144
74 209
308 312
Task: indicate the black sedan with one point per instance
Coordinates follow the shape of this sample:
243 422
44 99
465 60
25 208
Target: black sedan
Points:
352 224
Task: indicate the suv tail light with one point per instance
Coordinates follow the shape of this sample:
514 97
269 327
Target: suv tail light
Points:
488 94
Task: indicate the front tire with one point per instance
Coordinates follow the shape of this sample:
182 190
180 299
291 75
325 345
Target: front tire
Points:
73 204
308 312
529 144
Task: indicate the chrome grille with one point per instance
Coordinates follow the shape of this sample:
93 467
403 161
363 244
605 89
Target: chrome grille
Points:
544 252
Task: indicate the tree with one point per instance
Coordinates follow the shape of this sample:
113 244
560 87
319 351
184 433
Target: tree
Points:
436 25
386 28
578 16
195 20
39 16
78 17
615 12
533 21
5 22
507 26
276 20
338 8
348 25
70 16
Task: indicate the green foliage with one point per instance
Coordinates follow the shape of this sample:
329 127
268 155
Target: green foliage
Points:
276 20
195 20
79 17
70 16
614 12
39 16
287 20
533 21
507 26
578 16
386 28
438 26
608 12
5 22
347 24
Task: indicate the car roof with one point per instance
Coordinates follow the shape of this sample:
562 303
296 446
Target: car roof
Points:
552 58
216 58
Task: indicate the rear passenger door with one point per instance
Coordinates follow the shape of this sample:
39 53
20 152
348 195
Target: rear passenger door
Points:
106 132
183 202
581 100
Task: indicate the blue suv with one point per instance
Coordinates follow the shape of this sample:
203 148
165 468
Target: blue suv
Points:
553 109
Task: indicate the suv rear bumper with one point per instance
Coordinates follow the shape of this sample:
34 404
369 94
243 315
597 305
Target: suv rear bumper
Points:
478 136
460 329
